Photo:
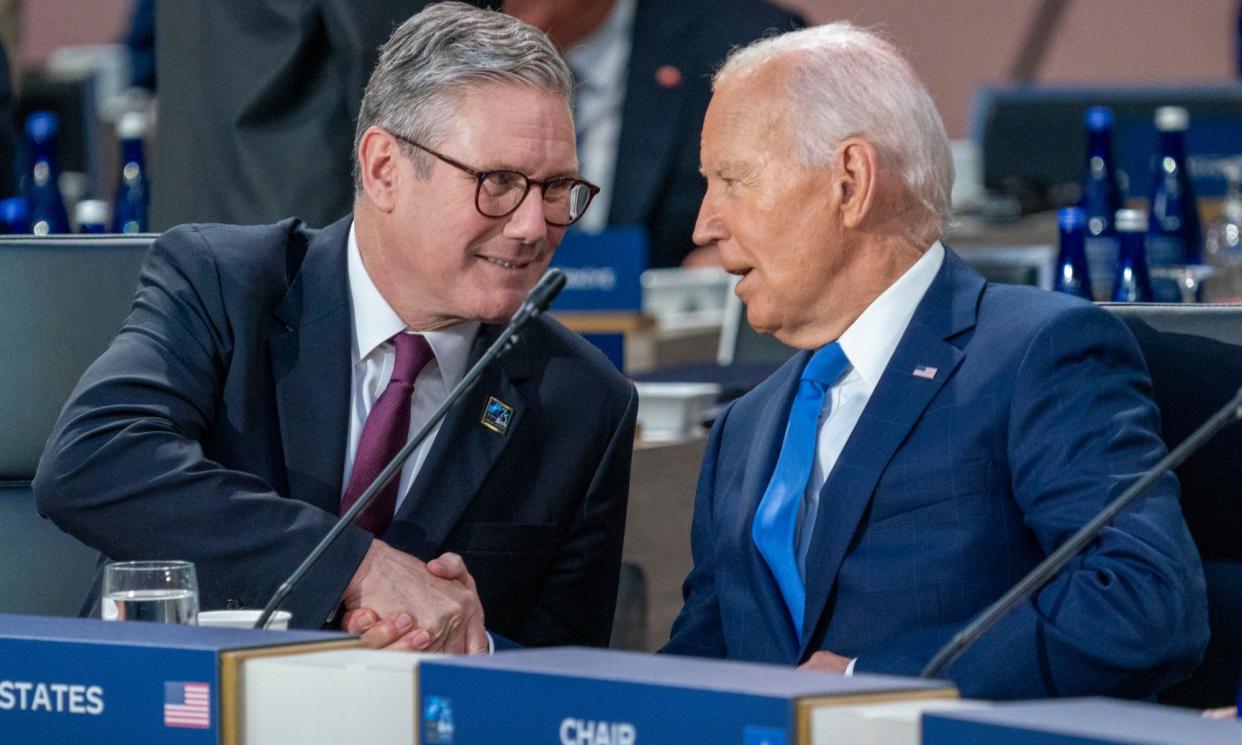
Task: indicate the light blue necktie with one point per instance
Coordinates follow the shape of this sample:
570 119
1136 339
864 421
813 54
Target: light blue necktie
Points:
776 521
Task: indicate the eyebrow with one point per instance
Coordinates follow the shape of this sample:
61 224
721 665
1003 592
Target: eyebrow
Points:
737 168
568 173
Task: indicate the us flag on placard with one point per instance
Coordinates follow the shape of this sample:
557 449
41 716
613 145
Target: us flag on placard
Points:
187 705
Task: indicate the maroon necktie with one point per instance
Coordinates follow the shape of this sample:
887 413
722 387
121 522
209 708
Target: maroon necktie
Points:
385 433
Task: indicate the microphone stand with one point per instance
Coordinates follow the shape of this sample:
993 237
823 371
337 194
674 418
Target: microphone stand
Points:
534 305
1041 574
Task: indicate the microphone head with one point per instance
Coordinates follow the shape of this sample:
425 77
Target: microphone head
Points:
546 290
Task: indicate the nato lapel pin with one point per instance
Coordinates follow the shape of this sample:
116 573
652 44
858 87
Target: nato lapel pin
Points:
496 415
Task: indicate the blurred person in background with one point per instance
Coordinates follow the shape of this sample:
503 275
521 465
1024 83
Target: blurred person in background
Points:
643 79
257 105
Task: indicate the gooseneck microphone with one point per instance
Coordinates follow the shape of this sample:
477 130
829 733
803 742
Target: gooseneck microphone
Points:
536 302
1047 569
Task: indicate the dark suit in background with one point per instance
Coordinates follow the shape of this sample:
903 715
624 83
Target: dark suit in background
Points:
948 491
214 429
258 101
8 130
657 182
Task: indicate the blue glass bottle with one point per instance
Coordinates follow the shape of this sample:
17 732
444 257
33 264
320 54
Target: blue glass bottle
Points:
129 214
1174 235
1072 275
91 216
47 207
14 216
1133 283
1102 196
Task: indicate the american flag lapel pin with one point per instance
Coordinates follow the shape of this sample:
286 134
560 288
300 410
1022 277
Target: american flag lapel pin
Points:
925 372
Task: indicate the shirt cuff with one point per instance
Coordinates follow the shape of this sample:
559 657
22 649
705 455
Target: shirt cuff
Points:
491 646
849 669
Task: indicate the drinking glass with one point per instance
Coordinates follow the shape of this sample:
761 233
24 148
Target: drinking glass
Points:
159 591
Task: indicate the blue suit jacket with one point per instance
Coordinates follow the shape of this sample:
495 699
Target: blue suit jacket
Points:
657 183
948 491
214 429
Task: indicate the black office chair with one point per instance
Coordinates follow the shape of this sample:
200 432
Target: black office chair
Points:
62 300
1194 353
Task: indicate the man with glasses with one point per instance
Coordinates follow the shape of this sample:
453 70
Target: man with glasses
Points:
266 375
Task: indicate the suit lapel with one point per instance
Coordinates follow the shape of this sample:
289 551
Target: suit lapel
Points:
309 348
462 454
760 459
899 400
647 140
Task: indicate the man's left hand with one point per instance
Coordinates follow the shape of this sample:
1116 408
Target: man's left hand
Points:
826 662
394 632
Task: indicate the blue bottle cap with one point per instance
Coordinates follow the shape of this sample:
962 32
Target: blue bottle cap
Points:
42 126
1071 218
1098 118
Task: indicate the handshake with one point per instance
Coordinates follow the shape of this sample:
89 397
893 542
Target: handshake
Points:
397 602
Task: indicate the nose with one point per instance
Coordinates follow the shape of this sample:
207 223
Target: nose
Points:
709 228
527 223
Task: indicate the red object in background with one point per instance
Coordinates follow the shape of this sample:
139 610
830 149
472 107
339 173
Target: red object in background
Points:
668 76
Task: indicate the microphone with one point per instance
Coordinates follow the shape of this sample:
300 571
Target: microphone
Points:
1047 569
536 302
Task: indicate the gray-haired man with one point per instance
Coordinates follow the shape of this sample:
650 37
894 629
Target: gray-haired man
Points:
267 373
938 435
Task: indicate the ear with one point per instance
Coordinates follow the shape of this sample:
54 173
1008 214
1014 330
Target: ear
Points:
379 158
856 173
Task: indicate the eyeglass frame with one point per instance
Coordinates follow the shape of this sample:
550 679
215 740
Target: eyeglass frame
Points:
481 176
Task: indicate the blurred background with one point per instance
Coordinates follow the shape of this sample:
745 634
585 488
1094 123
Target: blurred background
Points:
955 45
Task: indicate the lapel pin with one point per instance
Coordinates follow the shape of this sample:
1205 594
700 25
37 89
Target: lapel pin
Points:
925 372
496 415
668 76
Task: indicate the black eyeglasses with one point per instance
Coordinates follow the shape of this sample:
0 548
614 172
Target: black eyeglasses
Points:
500 193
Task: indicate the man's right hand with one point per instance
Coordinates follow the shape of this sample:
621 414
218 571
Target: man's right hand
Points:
411 605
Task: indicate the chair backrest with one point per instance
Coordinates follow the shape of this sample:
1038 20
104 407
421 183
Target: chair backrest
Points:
62 300
1194 353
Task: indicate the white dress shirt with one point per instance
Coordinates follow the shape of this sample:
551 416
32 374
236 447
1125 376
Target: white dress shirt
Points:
372 356
868 344
600 63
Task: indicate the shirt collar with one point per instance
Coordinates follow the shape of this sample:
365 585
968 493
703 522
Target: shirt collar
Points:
599 59
375 322
872 338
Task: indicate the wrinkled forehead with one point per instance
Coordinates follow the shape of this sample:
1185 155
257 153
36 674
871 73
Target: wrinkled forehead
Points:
515 127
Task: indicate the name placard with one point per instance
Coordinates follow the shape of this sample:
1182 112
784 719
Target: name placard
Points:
576 696
73 680
602 270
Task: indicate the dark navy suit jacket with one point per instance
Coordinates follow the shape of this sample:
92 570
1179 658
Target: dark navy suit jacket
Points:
948 491
657 183
214 429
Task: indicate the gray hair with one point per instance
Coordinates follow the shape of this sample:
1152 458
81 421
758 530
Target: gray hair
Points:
848 82
435 56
